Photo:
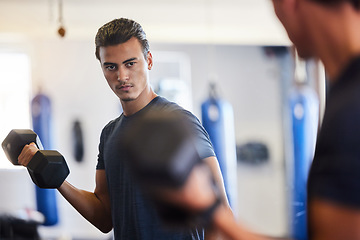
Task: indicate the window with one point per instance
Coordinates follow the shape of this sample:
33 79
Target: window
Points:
14 96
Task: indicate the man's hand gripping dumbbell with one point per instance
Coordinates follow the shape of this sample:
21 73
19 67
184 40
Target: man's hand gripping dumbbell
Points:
47 168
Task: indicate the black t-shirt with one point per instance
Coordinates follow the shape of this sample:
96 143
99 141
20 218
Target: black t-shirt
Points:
335 171
133 217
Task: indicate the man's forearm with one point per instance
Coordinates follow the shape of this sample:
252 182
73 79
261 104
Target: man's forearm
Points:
224 221
89 205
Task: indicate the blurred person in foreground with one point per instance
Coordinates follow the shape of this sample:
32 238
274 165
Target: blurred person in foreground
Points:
328 30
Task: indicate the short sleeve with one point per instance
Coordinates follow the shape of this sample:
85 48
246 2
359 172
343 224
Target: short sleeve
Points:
336 178
100 161
202 140
104 135
335 171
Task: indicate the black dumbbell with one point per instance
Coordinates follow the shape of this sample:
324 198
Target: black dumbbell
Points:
161 149
163 154
47 169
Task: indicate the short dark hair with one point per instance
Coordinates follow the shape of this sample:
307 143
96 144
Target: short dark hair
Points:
355 3
119 31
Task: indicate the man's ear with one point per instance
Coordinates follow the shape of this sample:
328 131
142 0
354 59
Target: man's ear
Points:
292 5
149 60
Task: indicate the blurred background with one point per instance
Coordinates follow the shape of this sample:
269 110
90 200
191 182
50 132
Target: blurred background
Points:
237 45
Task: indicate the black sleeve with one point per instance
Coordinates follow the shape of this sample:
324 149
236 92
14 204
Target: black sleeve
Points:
202 140
335 172
100 162
104 134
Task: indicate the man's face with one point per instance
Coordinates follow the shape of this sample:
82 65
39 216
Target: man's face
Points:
126 69
293 16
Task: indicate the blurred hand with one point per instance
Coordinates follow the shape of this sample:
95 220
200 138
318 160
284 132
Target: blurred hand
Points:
27 154
197 193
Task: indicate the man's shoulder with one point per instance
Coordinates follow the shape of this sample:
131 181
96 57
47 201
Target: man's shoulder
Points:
113 121
164 104
111 124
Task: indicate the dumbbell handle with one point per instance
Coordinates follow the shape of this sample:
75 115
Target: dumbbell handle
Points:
38 143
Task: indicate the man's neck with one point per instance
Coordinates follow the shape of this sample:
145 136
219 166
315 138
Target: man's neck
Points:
133 106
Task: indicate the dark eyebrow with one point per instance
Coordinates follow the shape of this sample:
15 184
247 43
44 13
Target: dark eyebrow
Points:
108 63
124 62
129 60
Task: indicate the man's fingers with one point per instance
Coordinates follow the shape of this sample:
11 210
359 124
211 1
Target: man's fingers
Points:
196 194
27 154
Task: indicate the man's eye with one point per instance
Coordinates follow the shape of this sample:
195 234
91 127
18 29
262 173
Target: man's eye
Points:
110 67
129 64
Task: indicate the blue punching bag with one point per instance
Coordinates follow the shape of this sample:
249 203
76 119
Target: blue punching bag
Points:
41 119
218 120
304 105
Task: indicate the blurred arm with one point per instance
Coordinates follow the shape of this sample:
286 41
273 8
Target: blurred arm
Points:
212 162
329 221
197 194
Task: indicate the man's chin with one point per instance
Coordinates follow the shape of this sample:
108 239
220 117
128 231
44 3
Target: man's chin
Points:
304 54
127 99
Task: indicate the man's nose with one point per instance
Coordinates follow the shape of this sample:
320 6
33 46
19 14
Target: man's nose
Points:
122 75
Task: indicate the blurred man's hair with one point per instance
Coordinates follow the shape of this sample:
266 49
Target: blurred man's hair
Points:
355 3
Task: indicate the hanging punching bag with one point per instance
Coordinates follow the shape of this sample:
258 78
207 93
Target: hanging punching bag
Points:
218 120
304 107
41 119
78 141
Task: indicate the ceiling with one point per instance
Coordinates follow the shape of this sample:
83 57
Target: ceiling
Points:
188 21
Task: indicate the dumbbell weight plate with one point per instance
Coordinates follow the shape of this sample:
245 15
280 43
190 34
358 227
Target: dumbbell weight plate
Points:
14 143
48 169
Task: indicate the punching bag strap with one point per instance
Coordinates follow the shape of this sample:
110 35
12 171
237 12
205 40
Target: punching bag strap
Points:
213 94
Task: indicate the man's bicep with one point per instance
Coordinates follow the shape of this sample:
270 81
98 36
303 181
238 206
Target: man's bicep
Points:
213 163
101 188
330 221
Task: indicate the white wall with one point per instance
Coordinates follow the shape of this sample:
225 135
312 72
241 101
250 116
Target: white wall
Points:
200 21
16 190
69 73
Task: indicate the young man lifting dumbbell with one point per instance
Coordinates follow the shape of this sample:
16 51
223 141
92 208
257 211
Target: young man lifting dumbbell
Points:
117 203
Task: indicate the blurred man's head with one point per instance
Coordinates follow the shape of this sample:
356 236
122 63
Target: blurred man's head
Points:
301 17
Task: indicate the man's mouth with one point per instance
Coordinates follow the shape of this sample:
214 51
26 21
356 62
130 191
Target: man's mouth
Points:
125 87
